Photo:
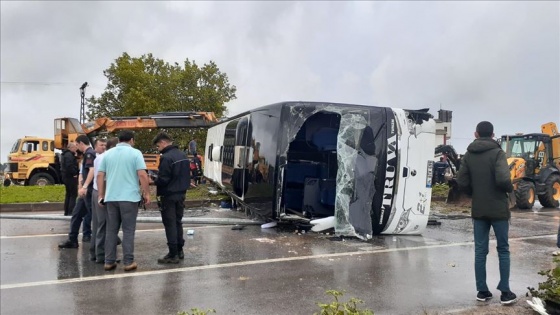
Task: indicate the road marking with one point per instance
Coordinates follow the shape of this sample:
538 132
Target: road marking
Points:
246 263
137 231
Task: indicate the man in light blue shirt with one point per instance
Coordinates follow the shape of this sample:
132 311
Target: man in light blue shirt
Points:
120 171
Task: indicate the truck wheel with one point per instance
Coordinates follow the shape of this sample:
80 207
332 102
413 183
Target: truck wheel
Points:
551 197
525 195
41 179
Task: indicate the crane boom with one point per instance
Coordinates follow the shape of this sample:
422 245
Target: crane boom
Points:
160 120
68 129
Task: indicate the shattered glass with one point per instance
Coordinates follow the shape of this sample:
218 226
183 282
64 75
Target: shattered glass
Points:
356 165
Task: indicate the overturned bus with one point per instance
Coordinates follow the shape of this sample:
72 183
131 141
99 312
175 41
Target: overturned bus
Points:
368 167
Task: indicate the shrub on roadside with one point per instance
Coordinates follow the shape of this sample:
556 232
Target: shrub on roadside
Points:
549 290
337 307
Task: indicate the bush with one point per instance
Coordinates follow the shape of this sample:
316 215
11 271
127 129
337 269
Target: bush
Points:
337 307
549 290
440 190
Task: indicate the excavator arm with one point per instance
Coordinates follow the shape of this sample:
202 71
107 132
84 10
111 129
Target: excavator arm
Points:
160 120
68 129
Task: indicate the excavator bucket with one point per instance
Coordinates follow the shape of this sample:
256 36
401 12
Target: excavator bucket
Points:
457 197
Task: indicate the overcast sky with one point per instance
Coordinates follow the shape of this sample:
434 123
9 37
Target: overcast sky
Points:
496 61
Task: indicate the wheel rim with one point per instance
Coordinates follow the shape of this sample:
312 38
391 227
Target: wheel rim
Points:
42 182
556 188
531 195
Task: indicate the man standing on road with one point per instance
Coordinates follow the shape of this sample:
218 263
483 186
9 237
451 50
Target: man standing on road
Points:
119 173
99 212
100 147
172 183
83 206
69 170
484 174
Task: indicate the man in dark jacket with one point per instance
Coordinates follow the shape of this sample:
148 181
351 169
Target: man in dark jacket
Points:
69 171
172 183
83 206
484 174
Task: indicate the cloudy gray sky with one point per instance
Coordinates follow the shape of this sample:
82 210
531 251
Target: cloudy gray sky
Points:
497 61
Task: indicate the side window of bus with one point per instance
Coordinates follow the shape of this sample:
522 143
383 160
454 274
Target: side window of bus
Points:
45 146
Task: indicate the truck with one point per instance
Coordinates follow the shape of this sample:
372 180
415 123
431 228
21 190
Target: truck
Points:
367 168
35 160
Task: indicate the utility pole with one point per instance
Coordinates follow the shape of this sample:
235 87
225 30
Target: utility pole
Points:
83 103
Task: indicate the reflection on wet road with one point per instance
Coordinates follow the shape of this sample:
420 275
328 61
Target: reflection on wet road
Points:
254 271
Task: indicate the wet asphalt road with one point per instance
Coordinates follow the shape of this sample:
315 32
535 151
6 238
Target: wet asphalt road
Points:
274 271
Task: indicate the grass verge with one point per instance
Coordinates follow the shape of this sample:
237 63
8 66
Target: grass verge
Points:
56 193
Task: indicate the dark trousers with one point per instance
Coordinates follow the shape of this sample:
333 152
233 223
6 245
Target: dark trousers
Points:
71 185
81 210
172 208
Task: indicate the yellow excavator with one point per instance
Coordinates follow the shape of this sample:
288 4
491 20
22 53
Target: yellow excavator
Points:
534 162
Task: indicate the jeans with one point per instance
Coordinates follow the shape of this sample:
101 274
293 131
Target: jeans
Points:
125 213
81 210
172 215
481 240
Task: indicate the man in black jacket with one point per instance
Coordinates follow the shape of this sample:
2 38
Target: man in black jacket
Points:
69 171
484 174
172 182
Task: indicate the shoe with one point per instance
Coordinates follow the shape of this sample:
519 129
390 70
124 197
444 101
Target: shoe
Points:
86 238
100 261
119 242
133 265
181 254
92 258
168 259
556 253
109 267
508 298
483 296
68 244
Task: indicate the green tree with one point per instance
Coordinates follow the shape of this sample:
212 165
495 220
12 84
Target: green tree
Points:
147 85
